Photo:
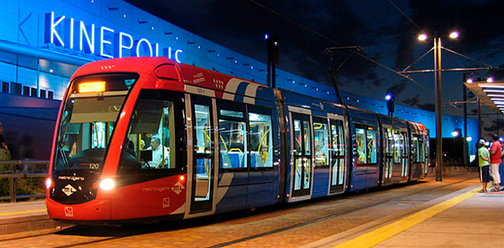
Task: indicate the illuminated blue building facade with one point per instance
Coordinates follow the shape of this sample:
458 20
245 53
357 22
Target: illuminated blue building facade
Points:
43 42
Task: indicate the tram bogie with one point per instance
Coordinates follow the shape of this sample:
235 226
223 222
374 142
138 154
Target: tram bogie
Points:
147 139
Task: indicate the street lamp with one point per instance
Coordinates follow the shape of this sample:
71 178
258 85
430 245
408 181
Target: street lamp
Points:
456 133
390 103
439 114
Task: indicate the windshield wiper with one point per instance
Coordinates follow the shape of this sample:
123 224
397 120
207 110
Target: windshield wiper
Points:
63 155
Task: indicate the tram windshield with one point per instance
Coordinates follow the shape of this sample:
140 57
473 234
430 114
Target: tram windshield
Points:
88 120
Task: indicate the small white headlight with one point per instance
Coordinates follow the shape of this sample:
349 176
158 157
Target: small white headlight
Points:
48 183
107 184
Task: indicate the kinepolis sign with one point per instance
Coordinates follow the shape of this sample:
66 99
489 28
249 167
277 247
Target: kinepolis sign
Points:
71 34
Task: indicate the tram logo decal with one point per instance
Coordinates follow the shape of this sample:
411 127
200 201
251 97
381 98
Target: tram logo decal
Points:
71 178
68 190
166 202
177 188
69 212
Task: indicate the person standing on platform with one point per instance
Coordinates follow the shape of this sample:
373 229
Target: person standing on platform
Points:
501 169
4 150
484 161
495 160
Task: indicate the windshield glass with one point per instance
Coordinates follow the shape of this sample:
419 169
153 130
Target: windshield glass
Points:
88 120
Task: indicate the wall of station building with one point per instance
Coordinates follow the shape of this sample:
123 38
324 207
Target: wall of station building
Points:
38 54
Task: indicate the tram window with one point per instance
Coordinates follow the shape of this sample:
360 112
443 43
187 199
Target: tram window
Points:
233 143
338 153
422 149
230 113
151 136
298 141
397 146
360 140
307 137
100 134
203 144
417 150
232 135
405 147
390 143
302 137
203 149
414 148
88 120
338 138
371 145
260 140
321 141
365 138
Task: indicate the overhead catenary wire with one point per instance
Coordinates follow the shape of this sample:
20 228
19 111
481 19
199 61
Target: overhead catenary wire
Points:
331 40
388 68
466 57
405 70
404 14
416 61
444 48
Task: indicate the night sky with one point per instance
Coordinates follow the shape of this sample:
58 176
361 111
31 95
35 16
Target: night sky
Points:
306 28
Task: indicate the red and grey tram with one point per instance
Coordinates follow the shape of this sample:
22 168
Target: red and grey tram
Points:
145 139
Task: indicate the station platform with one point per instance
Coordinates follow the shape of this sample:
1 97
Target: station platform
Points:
460 218
24 216
464 218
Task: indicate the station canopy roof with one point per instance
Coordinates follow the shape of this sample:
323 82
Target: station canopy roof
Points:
491 94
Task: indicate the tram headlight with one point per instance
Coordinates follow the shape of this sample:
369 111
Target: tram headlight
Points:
107 184
48 183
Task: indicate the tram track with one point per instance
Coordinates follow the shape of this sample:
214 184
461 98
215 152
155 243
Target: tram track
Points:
326 217
91 236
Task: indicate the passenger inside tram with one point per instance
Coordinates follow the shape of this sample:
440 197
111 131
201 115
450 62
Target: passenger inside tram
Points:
151 134
238 144
159 154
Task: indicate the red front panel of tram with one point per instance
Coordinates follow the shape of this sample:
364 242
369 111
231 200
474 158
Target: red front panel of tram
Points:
151 198
143 200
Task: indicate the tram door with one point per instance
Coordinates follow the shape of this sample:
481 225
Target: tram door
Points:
301 153
338 164
405 160
388 164
203 155
396 156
